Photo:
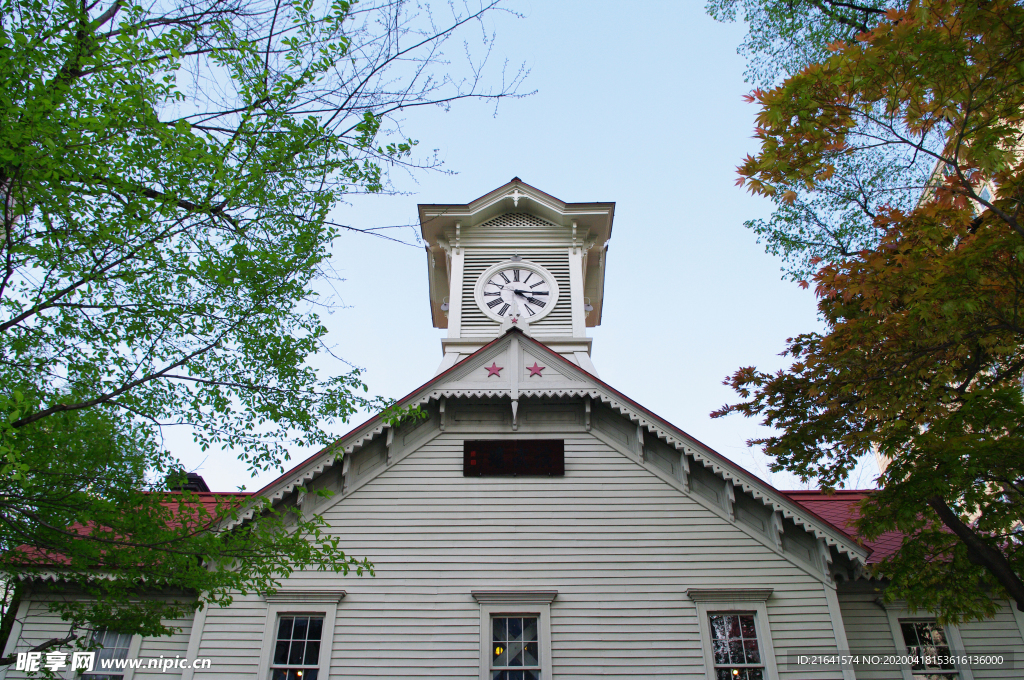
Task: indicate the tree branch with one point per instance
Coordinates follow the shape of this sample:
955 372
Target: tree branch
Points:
980 553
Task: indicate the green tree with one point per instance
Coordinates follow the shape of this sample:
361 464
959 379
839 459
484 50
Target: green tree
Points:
923 350
167 174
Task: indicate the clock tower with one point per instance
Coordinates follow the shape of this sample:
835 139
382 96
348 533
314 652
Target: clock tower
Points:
516 257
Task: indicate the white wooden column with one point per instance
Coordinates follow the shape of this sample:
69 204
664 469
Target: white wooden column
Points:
15 635
838 627
455 293
195 640
579 317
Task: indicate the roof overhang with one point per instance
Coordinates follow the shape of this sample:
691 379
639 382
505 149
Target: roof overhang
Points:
833 536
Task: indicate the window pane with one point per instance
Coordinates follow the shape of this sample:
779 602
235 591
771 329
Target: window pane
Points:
293 649
739 674
515 629
500 629
530 629
312 653
515 642
734 647
499 656
734 626
295 656
747 627
752 652
515 654
531 656
927 638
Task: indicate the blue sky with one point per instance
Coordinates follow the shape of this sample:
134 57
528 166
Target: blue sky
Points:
639 104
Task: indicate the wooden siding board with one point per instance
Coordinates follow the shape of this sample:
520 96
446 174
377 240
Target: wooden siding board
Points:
994 636
619 544
168 647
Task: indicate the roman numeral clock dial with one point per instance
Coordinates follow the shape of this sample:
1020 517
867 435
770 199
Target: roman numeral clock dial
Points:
514 290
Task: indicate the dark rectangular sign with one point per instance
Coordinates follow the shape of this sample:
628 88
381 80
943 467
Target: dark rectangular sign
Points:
513 457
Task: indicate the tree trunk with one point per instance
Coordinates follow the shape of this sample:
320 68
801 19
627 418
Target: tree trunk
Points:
980 553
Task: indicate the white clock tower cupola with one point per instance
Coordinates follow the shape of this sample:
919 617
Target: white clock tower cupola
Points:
517 257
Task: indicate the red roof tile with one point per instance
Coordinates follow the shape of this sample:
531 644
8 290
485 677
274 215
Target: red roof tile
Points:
208 500
842 509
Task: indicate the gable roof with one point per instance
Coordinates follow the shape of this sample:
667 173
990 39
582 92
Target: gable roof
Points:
209 502
576 382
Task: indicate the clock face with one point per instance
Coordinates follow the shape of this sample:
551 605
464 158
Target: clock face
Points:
516 289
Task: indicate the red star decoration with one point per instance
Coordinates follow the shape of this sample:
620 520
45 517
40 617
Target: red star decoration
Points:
494 369
535 369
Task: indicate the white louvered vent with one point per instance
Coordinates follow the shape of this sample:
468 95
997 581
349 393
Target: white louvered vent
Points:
517 220
558 322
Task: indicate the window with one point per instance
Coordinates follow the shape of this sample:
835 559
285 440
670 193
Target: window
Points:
515 634
512 457
734 645
297 650
734 632
915 633
111 646
515 653
298 635
927 639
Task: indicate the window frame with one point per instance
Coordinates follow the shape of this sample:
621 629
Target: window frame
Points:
514 443
897 611
734 601
134 647
515 603
304 603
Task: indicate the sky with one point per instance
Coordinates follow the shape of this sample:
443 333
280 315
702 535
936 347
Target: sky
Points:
637 104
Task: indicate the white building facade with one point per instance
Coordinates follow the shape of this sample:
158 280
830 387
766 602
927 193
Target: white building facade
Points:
538 524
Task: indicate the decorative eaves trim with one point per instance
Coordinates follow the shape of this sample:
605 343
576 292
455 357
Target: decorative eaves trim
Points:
789 509
514 596
679 444
729 594
58 576
305 596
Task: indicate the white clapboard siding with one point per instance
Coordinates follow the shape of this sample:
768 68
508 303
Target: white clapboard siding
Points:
998 635
868 632
41 625
619 545
167 647
232 638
